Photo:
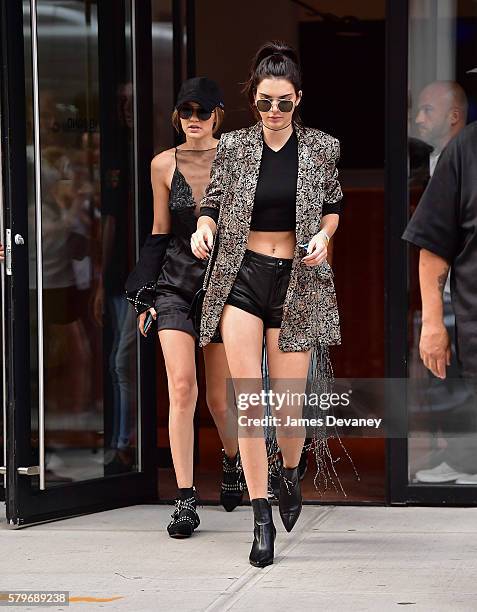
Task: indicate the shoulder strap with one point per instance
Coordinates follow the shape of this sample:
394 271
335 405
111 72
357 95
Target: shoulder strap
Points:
213 255
212 259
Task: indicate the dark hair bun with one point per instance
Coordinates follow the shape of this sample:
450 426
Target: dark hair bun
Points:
274 47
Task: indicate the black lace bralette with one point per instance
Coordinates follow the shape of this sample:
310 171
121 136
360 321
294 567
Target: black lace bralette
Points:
190 179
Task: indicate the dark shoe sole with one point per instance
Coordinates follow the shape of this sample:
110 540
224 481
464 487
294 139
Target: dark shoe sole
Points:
180 536
261 564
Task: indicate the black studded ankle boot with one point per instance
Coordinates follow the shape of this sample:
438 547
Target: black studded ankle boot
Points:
184 518
290 502
233 482
264 533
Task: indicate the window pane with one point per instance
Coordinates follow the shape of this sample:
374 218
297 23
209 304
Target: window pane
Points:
87 213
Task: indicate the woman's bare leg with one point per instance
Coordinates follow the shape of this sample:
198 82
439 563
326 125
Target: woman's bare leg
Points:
216 375
178 348
288 372
244 356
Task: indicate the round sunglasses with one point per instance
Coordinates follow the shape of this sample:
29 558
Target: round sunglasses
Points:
186 112
284 106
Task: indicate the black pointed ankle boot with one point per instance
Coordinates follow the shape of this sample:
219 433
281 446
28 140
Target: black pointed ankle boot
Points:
290 502
264 533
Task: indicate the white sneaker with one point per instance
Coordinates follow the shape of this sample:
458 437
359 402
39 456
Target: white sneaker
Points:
441 473
469 479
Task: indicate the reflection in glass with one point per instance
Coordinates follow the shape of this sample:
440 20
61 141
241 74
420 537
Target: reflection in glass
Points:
442 100
163 73
87 238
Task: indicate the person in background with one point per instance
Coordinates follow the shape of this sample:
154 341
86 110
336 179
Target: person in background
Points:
441 115
444 228
111 310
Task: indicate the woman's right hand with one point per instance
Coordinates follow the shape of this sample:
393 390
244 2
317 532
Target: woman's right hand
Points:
142 318
201 241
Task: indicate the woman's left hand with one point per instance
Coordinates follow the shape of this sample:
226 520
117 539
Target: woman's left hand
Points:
317 251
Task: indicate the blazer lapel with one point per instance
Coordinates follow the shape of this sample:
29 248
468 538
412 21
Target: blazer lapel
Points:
302 186
254 149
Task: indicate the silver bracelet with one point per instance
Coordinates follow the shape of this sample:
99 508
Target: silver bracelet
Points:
326 236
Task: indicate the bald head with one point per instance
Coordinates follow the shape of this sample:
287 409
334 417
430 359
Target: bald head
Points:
442 113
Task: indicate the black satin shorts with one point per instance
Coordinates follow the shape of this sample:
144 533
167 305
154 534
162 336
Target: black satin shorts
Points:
261 286
172 310
180 277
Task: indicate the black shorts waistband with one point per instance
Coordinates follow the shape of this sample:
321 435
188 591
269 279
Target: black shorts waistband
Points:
267 260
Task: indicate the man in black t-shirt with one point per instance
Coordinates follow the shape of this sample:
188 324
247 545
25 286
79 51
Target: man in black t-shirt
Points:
444 226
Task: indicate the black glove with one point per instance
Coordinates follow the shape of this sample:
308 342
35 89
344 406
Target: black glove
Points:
141 283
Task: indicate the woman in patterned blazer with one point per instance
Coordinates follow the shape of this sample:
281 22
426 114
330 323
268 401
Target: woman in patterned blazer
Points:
272 206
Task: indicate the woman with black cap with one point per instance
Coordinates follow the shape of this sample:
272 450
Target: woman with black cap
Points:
164 283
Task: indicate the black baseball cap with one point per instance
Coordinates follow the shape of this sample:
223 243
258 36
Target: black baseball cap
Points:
202 90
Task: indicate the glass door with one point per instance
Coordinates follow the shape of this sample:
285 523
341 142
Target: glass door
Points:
442 85
79 425
431 97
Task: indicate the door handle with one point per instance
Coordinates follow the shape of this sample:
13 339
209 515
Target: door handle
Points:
8 248
31 470
8 251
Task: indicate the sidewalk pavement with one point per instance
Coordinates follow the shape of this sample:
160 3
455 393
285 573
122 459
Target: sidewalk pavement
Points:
338 558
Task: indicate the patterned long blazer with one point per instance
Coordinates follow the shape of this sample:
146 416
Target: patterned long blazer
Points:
310 313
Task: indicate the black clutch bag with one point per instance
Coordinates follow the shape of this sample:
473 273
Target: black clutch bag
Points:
195 309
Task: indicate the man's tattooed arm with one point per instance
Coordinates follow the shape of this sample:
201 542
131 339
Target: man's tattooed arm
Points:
441 281
433 272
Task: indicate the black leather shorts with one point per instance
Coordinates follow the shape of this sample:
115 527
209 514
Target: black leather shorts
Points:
261 286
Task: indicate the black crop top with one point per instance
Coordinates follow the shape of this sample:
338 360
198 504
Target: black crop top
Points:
274 206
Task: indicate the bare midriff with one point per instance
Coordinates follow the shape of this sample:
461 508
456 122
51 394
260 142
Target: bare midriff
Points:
275 244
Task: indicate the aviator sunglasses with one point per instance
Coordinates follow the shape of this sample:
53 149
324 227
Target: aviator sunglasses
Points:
186 112
284 106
